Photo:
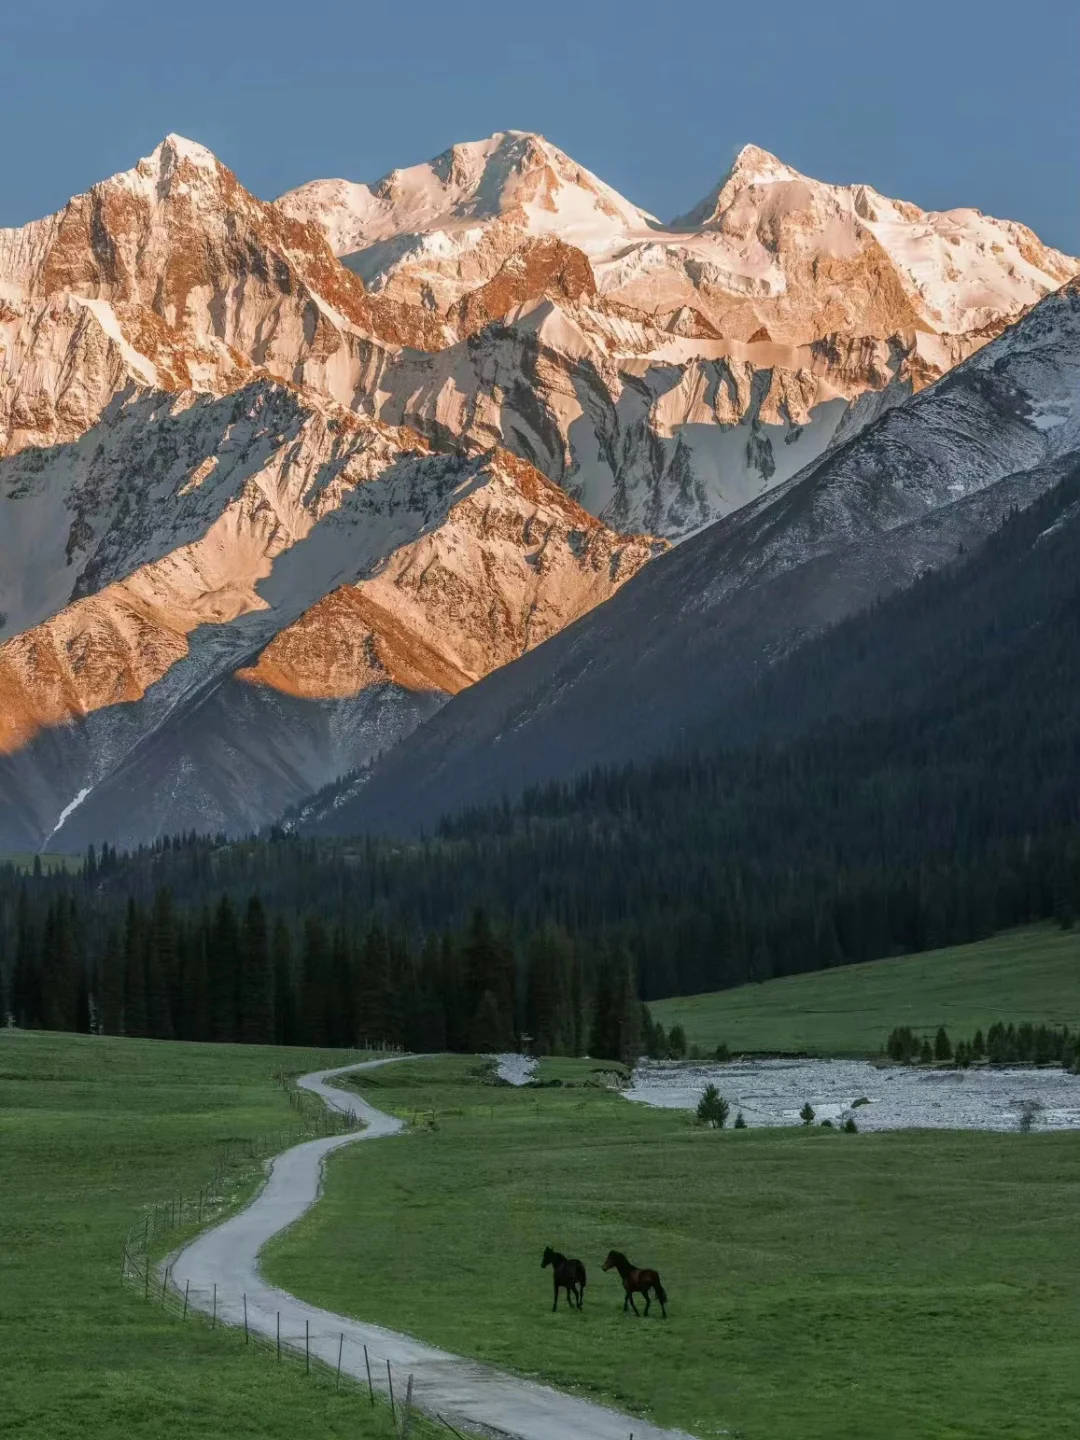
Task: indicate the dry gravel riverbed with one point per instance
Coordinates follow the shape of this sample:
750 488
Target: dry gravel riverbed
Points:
772 1092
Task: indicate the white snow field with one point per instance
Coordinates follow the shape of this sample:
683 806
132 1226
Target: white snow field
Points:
772 1092
219 1271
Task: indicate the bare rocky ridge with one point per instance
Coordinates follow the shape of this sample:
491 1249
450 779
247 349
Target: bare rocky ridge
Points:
315 564
278 478
668 658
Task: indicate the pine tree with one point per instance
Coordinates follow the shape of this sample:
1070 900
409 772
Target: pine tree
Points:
160 966
256 1017
134 971
110 993
26 982
489 970
548 1002
316 1000
489 1027
942 1045
59 978
285 1018
223 971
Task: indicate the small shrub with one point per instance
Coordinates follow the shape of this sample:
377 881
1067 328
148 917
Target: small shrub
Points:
713 1109
902 1045
926 1055
806 1114
740 1123
676 1044
723 1054
862 1100
695 1052
849 1127
1029 1115
978 1046
826 1125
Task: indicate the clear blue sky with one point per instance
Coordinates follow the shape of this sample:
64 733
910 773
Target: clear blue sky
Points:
949 103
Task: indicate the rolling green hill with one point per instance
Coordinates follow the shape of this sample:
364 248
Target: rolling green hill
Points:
1031 974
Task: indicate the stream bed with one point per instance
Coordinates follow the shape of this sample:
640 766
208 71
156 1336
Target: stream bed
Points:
772 1092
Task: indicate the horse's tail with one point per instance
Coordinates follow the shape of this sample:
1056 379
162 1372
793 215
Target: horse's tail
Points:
581 1275
661 1293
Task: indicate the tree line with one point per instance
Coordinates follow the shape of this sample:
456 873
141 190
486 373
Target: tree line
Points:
240 974
1003 1044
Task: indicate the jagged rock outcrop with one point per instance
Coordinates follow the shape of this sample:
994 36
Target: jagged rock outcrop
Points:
667 658
196 549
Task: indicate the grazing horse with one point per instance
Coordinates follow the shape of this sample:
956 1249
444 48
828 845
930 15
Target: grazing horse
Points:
634 1280
569 1275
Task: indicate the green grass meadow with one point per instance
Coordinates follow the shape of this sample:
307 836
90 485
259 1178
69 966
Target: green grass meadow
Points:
822 1286
1031 974
92 1132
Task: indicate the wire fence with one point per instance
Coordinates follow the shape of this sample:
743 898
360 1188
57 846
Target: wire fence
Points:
325 1355
165 1226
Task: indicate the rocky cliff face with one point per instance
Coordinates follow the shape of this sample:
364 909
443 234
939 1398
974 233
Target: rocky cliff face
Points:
278 478
667 659
256 558
670 372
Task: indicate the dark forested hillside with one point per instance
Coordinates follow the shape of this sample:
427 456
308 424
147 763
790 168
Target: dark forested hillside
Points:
910 779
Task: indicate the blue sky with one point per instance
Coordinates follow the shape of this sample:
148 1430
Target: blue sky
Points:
951 103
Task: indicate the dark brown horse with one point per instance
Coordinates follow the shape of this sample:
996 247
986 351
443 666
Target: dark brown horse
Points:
636 1282
569 1275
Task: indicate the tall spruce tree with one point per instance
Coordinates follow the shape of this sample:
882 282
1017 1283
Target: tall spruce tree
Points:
285 1017
134 970
59 978
160 966
223 971
256 1019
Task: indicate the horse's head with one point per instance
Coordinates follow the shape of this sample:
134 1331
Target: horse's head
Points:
613 1259
549 1257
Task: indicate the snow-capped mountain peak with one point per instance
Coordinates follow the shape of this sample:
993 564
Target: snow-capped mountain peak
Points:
513 174
751 166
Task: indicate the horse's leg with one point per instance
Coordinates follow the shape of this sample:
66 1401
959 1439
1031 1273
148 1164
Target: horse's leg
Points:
648 1299
630 1297
556 1304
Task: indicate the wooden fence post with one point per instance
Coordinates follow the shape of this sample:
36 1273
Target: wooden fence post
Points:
247 1337
390 1381
371 1388
407 1418
340 1347
187 1286
279 1334
213 1323
307 1347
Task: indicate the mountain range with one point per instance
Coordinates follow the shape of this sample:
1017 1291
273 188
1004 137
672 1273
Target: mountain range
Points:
279 479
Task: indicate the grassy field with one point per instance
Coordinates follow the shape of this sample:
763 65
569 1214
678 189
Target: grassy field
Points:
92 1131
822 1286
1029 974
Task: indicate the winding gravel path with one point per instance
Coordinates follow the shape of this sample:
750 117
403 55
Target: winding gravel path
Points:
470 1395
